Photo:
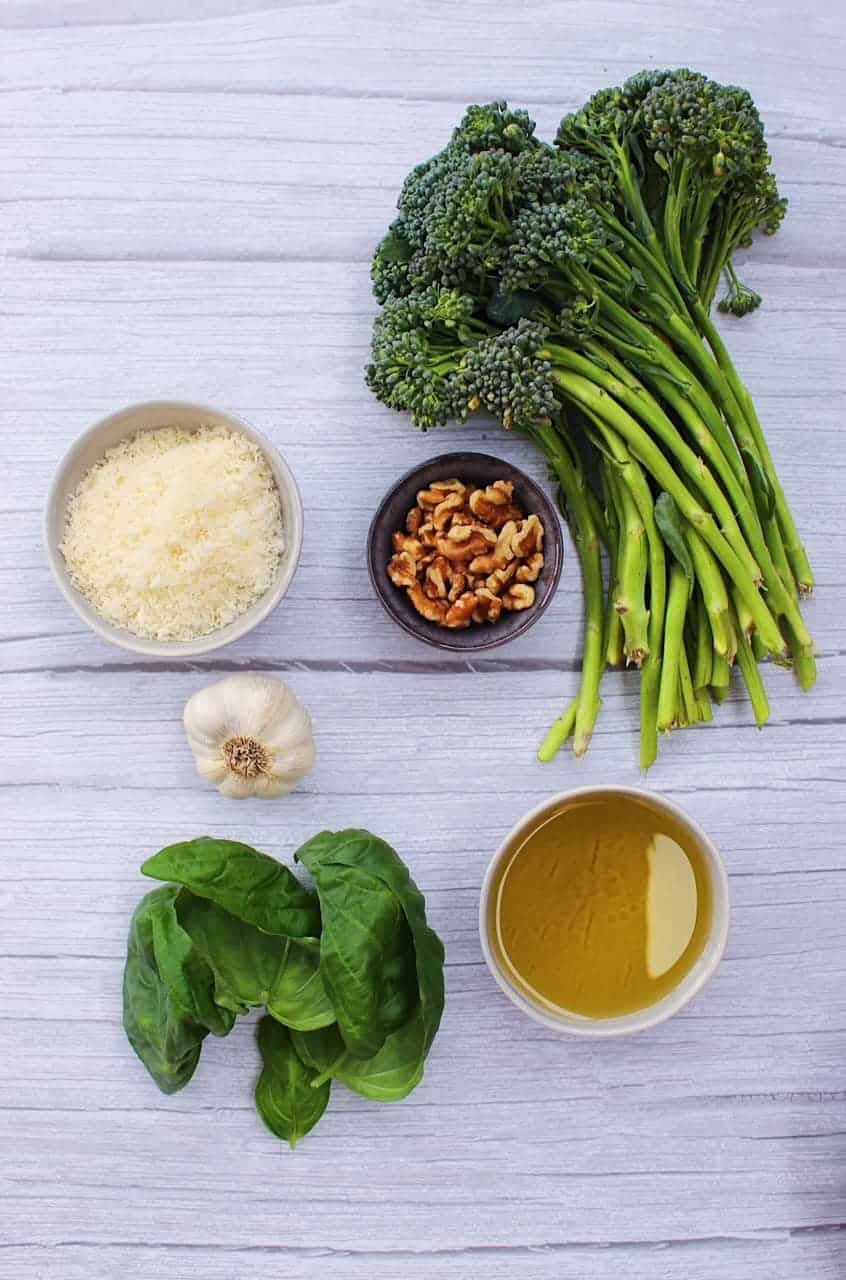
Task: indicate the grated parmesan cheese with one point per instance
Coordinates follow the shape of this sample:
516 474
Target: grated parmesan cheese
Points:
175 532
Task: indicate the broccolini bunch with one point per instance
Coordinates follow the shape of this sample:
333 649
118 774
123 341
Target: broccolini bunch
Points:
567 290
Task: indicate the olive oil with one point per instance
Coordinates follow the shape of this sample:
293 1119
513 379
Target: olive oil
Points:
602 908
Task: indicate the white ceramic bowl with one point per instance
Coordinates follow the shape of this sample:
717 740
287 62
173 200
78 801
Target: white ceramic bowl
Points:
127 422
641 1019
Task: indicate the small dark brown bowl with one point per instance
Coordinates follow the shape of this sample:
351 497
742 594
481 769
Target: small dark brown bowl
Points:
479 469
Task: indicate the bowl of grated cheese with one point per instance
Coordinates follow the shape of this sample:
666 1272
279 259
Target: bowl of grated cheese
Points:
173 529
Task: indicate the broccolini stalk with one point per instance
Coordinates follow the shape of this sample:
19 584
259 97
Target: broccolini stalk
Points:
634 478
751 673
796 553
703 644
631 564
703 705
714 594
613 621
643 406
596 401
558 733
570 477
687 697
669 692
720 678
754 549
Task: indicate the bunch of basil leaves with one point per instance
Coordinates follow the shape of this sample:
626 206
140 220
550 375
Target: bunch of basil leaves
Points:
350 974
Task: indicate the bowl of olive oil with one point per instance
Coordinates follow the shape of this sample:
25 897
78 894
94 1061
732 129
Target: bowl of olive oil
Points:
604 911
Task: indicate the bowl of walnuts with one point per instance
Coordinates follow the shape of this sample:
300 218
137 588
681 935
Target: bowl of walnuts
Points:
465 552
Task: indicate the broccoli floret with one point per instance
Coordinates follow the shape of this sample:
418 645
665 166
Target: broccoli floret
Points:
494 125
547 239
709 141
418 345
389 269
739 300
548 176
469 214
602 126
716 128
507 375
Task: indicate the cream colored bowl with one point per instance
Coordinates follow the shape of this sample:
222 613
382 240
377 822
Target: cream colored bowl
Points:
147 416
693 981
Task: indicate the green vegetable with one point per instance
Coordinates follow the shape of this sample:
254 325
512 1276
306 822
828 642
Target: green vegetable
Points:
360 1001
168 993
365 893
287 1098
567 291
389 1076
249 884
253 969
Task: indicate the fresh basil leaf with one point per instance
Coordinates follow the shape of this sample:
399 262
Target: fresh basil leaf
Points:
321 1050
388 1076
286 1099
395 1070
361 921
163 1033
248 884
363 886
187 976
252 968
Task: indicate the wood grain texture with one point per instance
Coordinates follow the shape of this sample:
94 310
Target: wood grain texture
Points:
190 194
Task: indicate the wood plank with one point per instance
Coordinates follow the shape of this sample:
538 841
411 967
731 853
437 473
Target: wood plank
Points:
182 175
816 1253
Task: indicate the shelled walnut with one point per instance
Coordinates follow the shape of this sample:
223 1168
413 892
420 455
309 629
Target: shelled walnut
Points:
467 555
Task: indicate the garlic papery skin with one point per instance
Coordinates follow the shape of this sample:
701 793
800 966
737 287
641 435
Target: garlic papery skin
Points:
251 736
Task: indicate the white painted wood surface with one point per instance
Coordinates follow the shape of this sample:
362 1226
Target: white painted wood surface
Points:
190 193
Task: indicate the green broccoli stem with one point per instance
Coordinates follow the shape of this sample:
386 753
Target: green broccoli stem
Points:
572 482
697 413
752 548
633 199
631 569
636 254
635 480
805 670
713 261
669 689
676 383
781 598
751 673
714 593
687 697
729 395
613 622
696 226
703 705
796 554
558 733
720 678
675 201
744 619
704 644
597 401
682 332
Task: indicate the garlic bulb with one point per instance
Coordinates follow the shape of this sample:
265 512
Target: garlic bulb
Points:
251 736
